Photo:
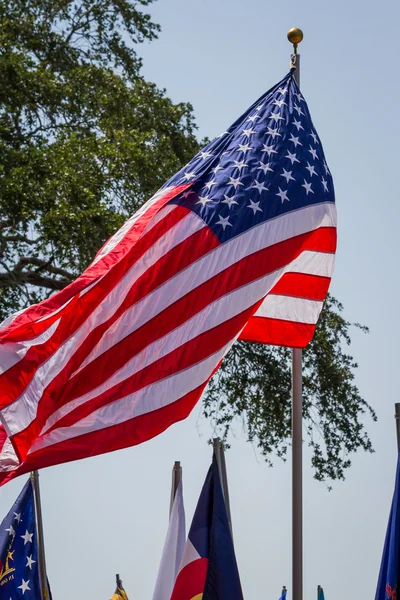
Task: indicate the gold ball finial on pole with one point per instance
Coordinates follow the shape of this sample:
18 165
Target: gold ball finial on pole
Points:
295 36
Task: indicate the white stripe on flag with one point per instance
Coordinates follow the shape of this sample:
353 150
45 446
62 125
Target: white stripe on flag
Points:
288 308
151 398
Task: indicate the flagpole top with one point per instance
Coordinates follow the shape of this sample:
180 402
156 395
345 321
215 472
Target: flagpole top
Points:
295 36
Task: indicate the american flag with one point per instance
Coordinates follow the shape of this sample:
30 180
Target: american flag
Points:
239 244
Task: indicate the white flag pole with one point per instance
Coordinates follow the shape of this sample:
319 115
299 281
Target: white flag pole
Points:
295 36
40 537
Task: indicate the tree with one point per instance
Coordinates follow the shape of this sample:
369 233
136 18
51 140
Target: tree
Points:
84 141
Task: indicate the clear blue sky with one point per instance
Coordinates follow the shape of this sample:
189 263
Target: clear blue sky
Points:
109 514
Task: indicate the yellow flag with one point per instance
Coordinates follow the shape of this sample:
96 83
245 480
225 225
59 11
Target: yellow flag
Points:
119 593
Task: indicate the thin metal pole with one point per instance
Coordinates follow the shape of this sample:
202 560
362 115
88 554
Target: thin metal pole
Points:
295 36
397 417
297 476
220 456
176 478
40 536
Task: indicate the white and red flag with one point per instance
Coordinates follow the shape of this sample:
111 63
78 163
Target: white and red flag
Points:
238 244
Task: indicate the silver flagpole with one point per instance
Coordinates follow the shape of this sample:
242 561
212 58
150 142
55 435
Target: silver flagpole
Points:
397 417
295 36
176 478
40 537
220 456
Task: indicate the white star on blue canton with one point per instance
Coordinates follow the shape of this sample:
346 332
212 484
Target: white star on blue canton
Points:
273 133
325 184
287 175
248 132
298 124
311 169
264 167
268 149
292 157
276 117
205 154
209 184
307 187
280 103
229 200
313 152
255 206
240 164
224 221
234 182
253 118
244 148
283 195
295 140
314 137
203 200
298 110
259 186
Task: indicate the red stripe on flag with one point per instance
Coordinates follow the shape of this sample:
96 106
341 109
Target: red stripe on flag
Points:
129 433
191 580
252 267
302 285
127 247
278 332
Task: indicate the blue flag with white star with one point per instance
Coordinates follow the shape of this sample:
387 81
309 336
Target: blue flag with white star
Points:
19 573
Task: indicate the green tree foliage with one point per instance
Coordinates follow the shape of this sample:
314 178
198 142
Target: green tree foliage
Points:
84 141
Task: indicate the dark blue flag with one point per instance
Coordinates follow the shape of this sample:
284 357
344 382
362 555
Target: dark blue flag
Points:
321 595
208 567
19 573
389 572
283 596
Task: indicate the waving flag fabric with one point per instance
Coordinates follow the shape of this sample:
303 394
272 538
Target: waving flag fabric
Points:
173 549
208 569
238 244
387 587
19 574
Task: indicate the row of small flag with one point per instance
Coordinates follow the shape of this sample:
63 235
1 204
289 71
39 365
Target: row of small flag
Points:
201 567
320 593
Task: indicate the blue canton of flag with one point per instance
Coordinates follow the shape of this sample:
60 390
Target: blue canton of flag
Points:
269 162
19 574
